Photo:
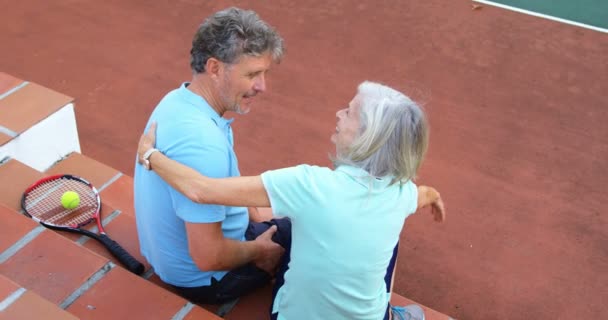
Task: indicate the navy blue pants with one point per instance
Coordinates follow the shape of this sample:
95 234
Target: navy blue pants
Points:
244 279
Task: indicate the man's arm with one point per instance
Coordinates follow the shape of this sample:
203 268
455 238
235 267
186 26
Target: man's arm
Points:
210 250
430 196
260 214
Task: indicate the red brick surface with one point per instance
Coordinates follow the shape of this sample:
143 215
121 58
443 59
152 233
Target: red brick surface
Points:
119 194
52 266
157 281
4 138
32 306
15 177
7 82
13 227
29 105
7 287
198 313
122 295
77 164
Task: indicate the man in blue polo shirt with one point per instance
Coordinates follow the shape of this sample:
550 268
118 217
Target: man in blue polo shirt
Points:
202 249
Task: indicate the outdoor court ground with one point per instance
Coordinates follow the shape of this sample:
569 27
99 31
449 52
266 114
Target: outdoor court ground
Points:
517 105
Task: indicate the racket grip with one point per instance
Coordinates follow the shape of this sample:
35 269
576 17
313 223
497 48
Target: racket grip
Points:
122 255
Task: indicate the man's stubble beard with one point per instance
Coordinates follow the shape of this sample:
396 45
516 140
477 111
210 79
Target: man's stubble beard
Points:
224 92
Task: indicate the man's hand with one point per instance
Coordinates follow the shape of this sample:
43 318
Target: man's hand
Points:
270 252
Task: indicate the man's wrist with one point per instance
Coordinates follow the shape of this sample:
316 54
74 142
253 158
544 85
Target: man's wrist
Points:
256 250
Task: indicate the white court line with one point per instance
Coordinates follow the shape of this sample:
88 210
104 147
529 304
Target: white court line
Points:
87 285
8 132
183 311
12 250
540 15
11 91
11 298
109 182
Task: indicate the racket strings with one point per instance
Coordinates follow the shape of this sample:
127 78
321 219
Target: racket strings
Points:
43 203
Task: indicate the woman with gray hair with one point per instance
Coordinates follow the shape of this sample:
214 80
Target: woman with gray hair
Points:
346 221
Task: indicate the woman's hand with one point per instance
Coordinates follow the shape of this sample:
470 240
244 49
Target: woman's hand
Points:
429 196
438 210
146 142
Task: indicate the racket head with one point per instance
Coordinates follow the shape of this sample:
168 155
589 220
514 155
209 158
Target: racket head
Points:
42 201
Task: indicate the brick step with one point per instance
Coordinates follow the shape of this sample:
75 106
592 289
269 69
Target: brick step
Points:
79 276
37 124
16 303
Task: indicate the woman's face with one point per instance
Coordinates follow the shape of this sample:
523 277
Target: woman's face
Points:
347 125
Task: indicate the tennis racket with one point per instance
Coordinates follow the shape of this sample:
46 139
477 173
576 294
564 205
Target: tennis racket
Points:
42 202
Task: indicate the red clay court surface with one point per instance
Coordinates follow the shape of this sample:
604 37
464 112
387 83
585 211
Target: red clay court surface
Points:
517 104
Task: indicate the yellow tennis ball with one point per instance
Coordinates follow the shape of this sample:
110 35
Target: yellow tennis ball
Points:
70 200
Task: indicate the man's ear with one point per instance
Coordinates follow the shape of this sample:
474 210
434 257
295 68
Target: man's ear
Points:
213 67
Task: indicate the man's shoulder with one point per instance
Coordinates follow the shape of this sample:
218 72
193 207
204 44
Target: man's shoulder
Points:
169 97
177 117
175 100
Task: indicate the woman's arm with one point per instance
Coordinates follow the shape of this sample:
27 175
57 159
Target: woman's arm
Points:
430 196
235 191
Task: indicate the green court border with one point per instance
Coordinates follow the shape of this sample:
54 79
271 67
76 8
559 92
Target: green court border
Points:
541 15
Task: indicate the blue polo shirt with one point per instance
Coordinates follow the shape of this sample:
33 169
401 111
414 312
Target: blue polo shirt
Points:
345 226
190 132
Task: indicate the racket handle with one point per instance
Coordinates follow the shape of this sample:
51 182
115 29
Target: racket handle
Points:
122 255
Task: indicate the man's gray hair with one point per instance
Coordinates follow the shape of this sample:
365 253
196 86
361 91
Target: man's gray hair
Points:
393 134
230 33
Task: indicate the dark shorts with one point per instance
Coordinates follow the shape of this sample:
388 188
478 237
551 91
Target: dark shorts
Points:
244 279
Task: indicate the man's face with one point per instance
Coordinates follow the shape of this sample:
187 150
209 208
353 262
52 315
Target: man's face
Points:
347 125
241 81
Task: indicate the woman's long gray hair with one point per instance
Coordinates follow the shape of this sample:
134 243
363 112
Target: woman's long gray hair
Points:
393 134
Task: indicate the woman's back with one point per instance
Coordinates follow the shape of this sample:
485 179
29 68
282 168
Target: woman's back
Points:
344 229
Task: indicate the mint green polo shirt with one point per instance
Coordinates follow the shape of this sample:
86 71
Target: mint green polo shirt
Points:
345 226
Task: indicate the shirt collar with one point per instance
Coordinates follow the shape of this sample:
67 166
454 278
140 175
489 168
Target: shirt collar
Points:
363 177
199 101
